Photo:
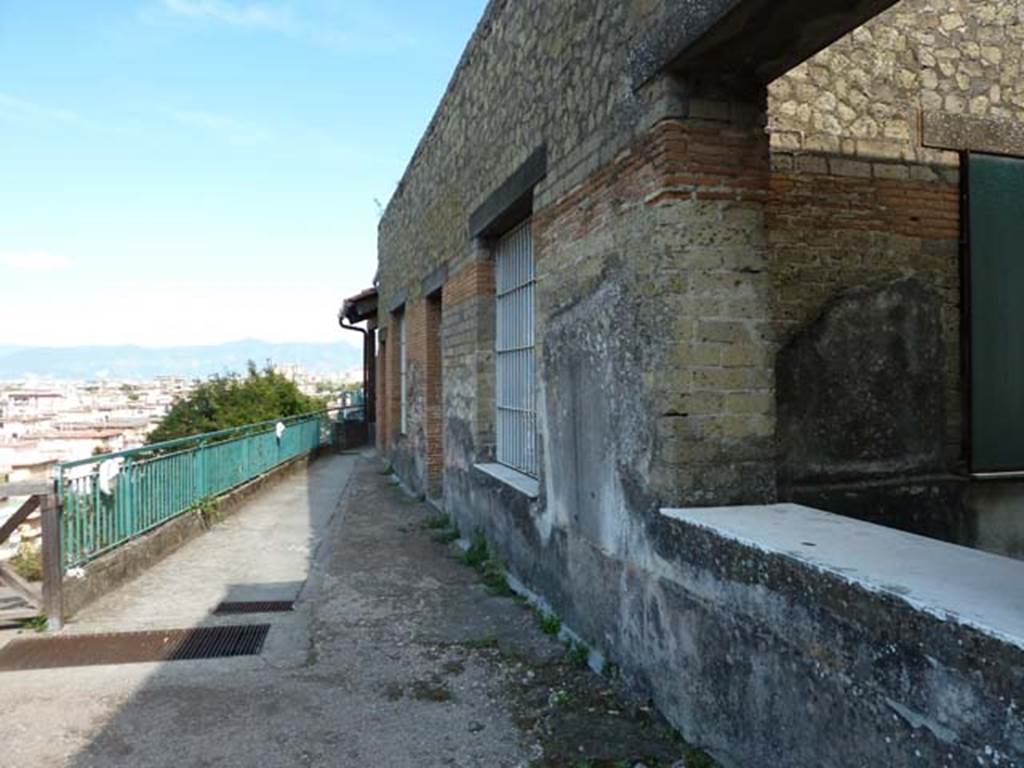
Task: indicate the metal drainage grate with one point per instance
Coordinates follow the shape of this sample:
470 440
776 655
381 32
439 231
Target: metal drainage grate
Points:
133 647
265 606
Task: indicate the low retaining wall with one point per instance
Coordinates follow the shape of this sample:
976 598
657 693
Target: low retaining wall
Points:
781 635
127 562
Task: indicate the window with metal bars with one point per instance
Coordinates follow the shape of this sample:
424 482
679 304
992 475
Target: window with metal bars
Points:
403 396
514 352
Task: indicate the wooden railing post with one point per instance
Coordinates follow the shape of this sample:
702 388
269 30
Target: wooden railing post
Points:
53 565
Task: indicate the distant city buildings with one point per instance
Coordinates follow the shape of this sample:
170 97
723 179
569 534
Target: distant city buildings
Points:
46 422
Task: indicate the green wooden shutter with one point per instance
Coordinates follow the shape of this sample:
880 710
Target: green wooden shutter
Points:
996 195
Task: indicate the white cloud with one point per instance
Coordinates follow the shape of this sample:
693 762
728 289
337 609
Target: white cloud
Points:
236 14
225 127
241 14
12 106
33 261
339 29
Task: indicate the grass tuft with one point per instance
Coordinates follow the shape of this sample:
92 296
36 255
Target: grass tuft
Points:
437 522
560 698
429 690
493 574
448 536
205 508
487 564
482 643
548 622
37 624
698 758
28 564
578 654
477 553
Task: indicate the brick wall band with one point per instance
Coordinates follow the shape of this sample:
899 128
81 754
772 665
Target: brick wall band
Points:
383 415
829 233
468 361
831 225
433 415
475 280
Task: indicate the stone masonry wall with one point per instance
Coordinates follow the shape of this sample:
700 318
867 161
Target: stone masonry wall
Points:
559 76
863 95
857 198
511 60
654 300
677 251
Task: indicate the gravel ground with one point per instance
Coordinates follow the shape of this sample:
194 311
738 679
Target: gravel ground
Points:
398 654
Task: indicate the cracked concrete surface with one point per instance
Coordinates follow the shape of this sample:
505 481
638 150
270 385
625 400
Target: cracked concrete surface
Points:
396 655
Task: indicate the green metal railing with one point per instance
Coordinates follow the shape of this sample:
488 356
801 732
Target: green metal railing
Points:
109 500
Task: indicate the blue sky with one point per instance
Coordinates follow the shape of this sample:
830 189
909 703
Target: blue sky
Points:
198 171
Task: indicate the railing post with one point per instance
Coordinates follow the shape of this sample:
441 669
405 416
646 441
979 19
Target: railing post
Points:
53 565
126 488
201 456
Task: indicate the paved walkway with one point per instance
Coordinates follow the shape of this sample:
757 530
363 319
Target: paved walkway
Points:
397 655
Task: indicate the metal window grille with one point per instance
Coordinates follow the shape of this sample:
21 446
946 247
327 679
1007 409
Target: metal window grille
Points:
402 394
514 352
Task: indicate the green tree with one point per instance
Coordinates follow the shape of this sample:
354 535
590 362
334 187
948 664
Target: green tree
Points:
223 402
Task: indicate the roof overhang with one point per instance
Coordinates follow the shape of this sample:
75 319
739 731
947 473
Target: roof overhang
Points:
749 41
359 308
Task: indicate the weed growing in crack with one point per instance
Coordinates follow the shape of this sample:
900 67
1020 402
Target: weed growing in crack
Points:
477 553
448 535
560 698
37 624
205 509
437 522
487 564
698 758
482 643
493 574
445 529
430 690
549 623
578 654
645 716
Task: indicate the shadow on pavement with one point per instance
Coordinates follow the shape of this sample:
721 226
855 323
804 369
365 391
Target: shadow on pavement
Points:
395 655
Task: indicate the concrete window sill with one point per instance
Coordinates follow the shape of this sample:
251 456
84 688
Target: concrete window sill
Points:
524 484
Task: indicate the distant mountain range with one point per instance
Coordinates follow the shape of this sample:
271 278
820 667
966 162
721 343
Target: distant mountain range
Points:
130 362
